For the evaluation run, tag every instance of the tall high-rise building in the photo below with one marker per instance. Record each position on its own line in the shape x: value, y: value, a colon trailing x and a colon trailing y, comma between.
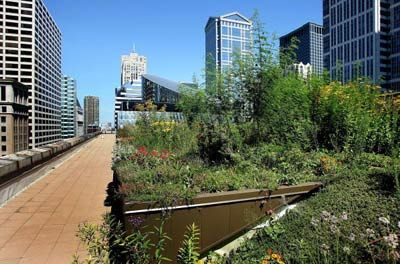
x: 226, y: 36
x: 133, y: 66
x: 361, y: 38
x: 68, y: 107
x: 31, y: 54
x: 310, y: 49
x: 394, y: 82
x: 79, y: 126
x: 91, y: 114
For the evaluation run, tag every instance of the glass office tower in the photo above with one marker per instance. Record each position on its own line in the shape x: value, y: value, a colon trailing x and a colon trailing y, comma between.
x: 361, y: 38
x: 68, y: 107
x: 310, y: 49
x: 225, y: 36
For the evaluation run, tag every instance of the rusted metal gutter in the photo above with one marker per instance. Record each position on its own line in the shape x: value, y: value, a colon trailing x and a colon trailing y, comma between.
x: 221, y: 217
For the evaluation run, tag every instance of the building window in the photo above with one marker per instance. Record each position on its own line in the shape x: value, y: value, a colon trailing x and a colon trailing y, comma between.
x: 224, y: 30
x: 3, y: 129
x: 4, y: 109
x: 3, y: 93
x: 3, y: 139
x: 3, y: 148
x: 3, y: 119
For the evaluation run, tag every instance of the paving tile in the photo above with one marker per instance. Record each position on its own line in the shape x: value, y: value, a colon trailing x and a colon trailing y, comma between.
x: 12, y: 251
x: 39, y: 250
x: 34, y: 260
x: 10, y: 261
x: 40, y: 224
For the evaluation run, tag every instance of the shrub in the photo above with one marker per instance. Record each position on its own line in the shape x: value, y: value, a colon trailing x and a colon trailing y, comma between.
x: 288, y: 115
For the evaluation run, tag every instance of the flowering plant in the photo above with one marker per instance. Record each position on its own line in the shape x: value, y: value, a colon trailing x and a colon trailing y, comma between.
x: 272, y: 258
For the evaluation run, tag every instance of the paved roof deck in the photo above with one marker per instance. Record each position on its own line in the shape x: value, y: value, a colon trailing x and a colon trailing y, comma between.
x: 40, y: 224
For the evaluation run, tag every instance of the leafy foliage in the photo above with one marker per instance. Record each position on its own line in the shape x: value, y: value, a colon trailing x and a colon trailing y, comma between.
x: 188, y: 253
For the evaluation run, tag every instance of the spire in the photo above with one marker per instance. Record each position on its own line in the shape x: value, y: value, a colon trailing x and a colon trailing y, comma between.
x: 134, y: 48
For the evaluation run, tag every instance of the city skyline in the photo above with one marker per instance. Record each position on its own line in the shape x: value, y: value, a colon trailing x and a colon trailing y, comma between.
x: 97, y: 67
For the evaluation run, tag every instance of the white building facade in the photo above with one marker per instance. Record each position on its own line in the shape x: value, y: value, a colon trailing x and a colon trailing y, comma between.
x: 31, y: 54
x: 133, y: 66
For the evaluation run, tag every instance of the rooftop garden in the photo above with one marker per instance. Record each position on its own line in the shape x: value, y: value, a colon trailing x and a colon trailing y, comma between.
x: 258, y: 127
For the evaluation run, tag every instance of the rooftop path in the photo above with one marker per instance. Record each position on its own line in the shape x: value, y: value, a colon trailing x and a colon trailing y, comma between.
x: 39, y: 225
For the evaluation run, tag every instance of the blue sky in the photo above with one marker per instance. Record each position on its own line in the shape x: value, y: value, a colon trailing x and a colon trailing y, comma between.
x: 170, y: 33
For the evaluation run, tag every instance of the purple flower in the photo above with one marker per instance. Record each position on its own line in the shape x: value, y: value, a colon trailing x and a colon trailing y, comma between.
x: 136, y: 221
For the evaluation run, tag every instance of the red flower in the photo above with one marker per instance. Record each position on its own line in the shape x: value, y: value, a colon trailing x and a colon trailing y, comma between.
x: 125, y: 188
x: 154, y: 153
x: 142, y: 150
x: 164, y: 154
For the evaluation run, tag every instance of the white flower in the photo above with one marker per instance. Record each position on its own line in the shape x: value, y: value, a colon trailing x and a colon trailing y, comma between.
x: 346, y: 250
x: 392, y: 240
x: 344, y: 216
x: 314, y: 221
x: 325, y: 215
x: 352, y: 237
x: 370, y: 232
x: 384, y: 220
x: 325, y: 248
x: 334, y: 219
x: 398, y: 224
x: 334, y: 229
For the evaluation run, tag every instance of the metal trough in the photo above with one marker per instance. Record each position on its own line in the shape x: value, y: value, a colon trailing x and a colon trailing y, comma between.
x: 221, y: 217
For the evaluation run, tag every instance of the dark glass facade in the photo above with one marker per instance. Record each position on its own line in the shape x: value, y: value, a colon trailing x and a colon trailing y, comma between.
x: 310, y: 47
x: 361, y: 39
x: 160, y: 91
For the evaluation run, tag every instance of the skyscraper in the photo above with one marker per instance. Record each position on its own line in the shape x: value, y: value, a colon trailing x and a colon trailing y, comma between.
x: 394, y: 82
x: 133, y: 66
x: 31, y: 54
x: 225, y: 36
x: 79, y: 117
x: 361, y: 38
x: 91, y: 114
x: 310, y: 49
x: 68, y: 107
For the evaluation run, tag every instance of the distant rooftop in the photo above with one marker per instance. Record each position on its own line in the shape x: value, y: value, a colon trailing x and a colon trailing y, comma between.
x: 303, y: 27
x: 234, y: 16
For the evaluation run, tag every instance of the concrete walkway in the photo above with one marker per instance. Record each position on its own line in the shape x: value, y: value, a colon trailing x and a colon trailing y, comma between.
x: 39, y: 225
